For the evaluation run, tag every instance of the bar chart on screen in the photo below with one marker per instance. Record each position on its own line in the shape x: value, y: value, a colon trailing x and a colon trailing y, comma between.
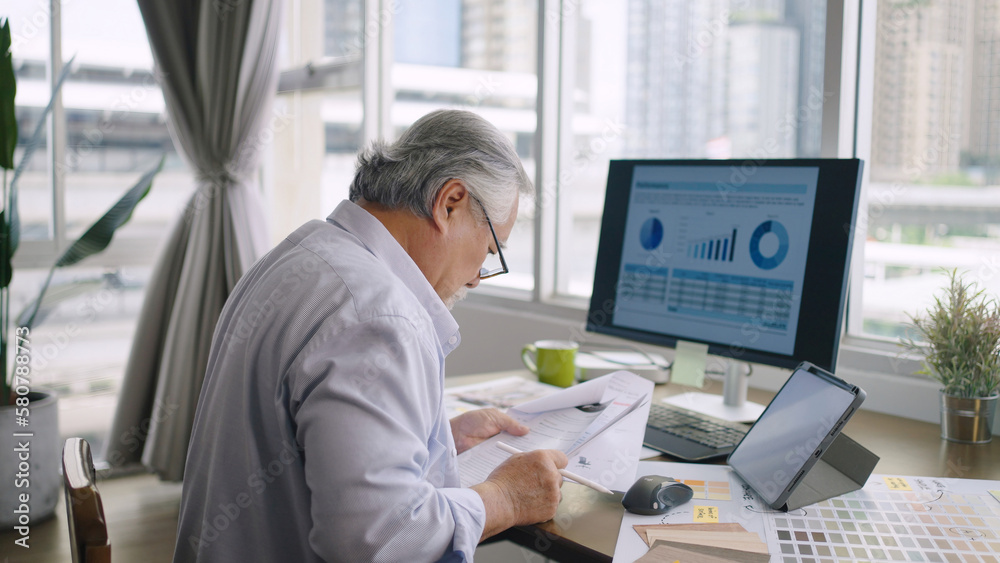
x: 719, y: 248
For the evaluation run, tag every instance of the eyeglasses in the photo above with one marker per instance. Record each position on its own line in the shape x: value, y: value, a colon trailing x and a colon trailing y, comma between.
x: 485, y: 272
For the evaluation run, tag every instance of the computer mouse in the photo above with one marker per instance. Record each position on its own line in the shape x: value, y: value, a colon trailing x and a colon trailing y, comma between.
x: 654, y: 494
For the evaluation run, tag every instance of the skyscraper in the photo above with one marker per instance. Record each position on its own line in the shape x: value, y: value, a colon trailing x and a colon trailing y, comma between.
x: 342, y: 27
x: 707, y: 79
x: 763, y: 72
x: 674, y: 93
x: 982, y: 143
x: 500, y: 35
x: 921, y: 58
x: 809, y: 17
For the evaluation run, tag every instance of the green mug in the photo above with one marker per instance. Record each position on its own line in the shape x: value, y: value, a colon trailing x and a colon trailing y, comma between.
x: 554, y: 361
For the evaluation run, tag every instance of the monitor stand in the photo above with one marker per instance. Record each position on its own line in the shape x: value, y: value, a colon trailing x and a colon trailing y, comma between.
x: 732, y: 405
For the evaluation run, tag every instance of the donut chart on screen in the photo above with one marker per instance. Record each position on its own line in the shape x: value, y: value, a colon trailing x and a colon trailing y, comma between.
x: 769, y: 262
x: 651, y: 234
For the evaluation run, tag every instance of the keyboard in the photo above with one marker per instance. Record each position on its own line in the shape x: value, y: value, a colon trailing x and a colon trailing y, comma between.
x: 689, y: 435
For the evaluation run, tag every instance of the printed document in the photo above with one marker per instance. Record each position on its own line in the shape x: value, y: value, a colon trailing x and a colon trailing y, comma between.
x: 571, y: 417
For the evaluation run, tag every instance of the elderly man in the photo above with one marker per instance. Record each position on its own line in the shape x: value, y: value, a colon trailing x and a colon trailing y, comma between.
x: 320, y: 432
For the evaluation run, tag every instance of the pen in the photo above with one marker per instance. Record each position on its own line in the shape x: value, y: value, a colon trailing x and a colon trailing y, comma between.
x: 571, y: 476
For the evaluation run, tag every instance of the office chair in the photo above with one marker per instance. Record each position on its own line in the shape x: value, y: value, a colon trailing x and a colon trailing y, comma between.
x: 88, y: 530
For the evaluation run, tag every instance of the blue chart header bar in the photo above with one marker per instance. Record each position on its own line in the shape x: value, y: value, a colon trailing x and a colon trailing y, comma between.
x: 726, y: 187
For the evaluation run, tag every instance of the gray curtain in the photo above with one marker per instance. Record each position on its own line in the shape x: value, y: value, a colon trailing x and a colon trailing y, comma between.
x: 216, y: 62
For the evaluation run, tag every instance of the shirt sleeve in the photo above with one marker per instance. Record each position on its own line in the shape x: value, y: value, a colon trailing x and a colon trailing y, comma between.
x: 366, y: 405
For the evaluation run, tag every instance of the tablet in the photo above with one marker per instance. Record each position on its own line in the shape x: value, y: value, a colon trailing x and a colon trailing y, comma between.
x: 794, y: 430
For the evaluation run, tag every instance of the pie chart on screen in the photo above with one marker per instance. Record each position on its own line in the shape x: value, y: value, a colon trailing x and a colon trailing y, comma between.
x: 651, y: 234
x: 769, y: 245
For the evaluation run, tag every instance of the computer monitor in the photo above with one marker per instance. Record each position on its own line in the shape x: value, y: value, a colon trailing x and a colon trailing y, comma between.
x: 750, y: 257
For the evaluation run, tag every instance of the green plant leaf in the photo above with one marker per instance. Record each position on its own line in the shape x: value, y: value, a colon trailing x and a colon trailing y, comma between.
x: 10, y: 229
x: 7, y: 272
x: 10, y: 238
x: 97, y: 237
x: 959, y: 339
x: 36, y: 137
x: 8, y: 89
x: 60, y: 292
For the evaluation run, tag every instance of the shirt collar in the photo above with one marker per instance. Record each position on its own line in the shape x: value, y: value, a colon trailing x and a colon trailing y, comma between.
x: 380, y: 242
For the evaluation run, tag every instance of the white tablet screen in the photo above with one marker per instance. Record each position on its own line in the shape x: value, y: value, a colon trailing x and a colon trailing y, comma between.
x: 803, y: 413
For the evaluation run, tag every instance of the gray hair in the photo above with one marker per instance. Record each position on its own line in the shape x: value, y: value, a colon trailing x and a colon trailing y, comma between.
x: 440, y: 146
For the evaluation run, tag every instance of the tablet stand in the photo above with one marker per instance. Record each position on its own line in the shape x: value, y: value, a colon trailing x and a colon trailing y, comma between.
x: 844, y: 467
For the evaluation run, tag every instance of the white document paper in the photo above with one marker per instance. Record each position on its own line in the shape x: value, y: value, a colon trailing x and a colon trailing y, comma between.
x: 499, y: 393
x: 610, y: 459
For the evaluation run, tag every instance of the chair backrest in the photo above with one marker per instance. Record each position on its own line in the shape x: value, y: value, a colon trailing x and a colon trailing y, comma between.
x: 88, y: 531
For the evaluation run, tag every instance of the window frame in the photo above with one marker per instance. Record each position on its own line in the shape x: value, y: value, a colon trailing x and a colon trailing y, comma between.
x: 846, y: 133
x: 41, y: 254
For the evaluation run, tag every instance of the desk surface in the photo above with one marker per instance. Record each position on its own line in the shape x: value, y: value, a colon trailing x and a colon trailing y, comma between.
x: 587, y: 522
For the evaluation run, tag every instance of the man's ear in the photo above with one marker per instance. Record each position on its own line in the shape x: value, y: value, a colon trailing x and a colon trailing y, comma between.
x: 451, y: 197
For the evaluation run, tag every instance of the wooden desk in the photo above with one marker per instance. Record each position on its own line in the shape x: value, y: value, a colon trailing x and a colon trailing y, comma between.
x: 142, y: 511
x: 586, y: 525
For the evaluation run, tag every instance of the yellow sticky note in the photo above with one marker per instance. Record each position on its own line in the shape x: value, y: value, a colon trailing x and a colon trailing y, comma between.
x: 996, y: 494
x: 897, y: 484
x: 689, y: 363
x: 706, y: 514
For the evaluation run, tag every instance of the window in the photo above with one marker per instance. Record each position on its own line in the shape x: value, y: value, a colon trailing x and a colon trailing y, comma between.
x: 478, y: 55
x: 574, y: 83
x: 934, y: 144
x: 109, y: 129
x: 680, y: 80
x: 318, y: 111
x: 620, y: 79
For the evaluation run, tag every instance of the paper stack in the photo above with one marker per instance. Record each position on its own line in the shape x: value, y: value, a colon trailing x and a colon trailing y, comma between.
x: 701, y: 543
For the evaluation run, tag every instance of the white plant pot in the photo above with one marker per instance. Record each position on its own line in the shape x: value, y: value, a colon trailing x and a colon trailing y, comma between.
x: 29, y: 462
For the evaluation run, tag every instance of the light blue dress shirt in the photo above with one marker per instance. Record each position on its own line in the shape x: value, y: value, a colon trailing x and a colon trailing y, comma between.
x: 320, y: 433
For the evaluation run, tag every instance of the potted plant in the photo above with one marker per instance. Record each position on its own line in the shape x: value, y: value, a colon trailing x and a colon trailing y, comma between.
x: 959, y: 340
x: 29, y: 424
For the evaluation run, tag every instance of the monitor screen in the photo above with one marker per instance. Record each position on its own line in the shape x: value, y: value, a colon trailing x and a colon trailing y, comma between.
x: 748, y: 256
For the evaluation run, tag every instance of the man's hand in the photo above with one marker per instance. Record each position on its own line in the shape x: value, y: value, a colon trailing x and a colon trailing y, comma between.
x: 522, y: 490
x: 475, y: 426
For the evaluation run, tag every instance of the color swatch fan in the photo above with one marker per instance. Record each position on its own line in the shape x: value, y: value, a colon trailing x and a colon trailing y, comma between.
x: 701, y: 543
